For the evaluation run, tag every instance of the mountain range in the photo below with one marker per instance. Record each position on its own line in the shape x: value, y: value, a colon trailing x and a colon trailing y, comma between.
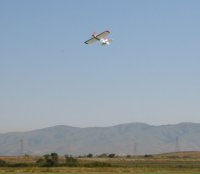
x: 123, y: 139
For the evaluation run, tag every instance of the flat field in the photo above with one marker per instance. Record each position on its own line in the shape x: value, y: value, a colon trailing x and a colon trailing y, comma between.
x: 79, y: 170
x: 172, y: 163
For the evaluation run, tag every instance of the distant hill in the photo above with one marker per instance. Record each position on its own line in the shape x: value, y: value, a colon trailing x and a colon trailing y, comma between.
x: 131, y: 138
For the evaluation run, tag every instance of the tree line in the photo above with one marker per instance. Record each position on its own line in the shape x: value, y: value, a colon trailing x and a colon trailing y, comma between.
x: 52, y: 160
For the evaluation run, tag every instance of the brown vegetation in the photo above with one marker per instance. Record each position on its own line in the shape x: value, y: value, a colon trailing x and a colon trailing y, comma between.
x: 180, y: 161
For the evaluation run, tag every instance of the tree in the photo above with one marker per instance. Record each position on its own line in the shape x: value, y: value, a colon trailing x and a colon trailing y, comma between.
x: 2, y: 163
x: 103, y: 155
x: 70, y: 161
x: 54, y: 158
x: 51, y: 159
x: 112, y: 155
x: 90, y: 155
x: 40, y: 162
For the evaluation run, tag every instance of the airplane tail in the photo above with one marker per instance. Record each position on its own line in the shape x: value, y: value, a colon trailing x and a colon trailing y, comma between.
x: 94, y: 34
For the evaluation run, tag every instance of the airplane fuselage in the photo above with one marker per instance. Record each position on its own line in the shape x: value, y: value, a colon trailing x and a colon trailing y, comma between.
x: 104, y: 41
x: 100, y: 37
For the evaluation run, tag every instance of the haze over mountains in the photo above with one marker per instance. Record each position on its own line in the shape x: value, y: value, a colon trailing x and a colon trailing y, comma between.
x: 124, y: 139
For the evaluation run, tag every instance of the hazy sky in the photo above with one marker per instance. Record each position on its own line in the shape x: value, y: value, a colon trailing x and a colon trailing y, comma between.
x: 48, y: 76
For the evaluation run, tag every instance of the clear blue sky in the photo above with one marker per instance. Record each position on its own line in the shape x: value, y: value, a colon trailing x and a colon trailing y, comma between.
x: 48, y: 76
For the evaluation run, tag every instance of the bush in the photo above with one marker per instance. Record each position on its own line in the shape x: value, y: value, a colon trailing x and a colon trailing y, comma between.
x: 98, y: 164
x: 148, y: 156
x: 40, y: 161
x: 103, y: 155
x: 89, y: 155
x: 49, y: 160
x: 19, y: 165
x: 112, y: 155
x: 70, y: 161
x: 2, y: 163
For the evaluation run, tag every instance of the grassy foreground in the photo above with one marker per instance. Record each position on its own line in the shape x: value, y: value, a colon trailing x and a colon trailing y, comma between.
x: 97, y: 171
x: 173, y: 163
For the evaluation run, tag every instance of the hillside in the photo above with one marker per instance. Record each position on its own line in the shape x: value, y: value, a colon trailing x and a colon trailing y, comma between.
x: 131, y: 138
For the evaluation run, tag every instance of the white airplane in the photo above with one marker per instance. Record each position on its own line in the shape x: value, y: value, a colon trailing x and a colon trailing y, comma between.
x: 100, y: 37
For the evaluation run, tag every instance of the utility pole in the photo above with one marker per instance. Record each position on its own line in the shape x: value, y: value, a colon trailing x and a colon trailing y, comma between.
x: 135, y: 148
x: 177, y: 148
x: 21, y: 147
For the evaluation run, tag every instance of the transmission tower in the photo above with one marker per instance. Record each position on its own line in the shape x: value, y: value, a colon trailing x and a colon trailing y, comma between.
x: 135, y: 148
x: 21, y: 147
x: 177, y: 148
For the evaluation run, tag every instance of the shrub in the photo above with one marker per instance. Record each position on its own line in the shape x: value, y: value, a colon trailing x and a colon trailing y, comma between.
x: 112, y: 155
x: 70, y: 161
x: 2, y: 163
x: 89, y: 155
x: 49, y: 160
x: 148, y: 156
x: 40, y: 162
x: 103, y: 155
x: 98, y: 164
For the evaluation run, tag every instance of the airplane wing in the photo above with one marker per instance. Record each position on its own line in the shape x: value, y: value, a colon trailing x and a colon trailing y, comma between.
x: 103, y: 34
x: 90, y: 41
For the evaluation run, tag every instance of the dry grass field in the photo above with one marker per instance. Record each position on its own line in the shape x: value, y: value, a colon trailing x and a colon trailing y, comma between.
x: 169, y: 163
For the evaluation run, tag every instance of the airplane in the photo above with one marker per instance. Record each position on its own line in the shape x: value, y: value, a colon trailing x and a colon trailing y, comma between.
x: 100, y: 37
